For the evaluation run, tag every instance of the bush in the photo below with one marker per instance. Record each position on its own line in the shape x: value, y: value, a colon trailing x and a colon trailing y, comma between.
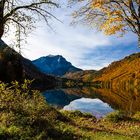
x: 136, y: 116
x: 77, y: 113
x: 24, y: 113
x: 117, y: 116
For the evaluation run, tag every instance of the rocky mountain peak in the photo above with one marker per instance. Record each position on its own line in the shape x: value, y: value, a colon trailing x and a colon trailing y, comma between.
x: 55, y: 64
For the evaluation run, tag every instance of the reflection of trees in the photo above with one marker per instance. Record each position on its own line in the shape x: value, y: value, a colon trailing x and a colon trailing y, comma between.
x: 127, y: 100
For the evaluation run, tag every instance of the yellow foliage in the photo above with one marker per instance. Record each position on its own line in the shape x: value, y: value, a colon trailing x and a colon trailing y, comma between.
x: 110, y: 16
x: 124, y: 73
x: 114, y: 18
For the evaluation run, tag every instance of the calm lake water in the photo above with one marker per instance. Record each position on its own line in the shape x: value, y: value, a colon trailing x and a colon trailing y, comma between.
x: 98, y: 102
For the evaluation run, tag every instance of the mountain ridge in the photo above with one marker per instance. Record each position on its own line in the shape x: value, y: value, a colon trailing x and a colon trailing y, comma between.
x: 14, y: 67
x: 55, y: 65
x: 125, y: 73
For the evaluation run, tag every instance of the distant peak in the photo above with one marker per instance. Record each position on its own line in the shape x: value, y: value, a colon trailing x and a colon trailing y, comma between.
x: 55, y: 64
x: 50, y: 55
x: 60, y: 56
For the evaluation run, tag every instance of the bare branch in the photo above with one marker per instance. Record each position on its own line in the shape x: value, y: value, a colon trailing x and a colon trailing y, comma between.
x: 27, y: 7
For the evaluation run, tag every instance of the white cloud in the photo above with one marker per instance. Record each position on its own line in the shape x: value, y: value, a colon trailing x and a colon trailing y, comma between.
x: 68, y: 41
x: 73, y: 43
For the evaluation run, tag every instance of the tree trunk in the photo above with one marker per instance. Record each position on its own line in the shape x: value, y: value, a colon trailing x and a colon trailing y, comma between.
x: 1, y: 30
x: 2, y: 18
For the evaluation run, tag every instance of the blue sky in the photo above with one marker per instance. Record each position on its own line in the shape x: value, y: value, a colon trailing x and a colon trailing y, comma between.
x: 83, y: 47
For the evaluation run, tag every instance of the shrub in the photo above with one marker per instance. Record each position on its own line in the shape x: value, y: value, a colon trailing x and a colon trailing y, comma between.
x: 24, y: 113
x: 77, y: 113
x: 117, y: 116
x: 136, y: 116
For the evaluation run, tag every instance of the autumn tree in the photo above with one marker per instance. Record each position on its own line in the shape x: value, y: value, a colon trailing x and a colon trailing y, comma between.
x: 110, y: 16
x: 22, y: 14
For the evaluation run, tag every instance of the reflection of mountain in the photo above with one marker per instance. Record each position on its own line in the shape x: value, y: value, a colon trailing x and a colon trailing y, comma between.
x: 59, y: 98
x: 117, y: 99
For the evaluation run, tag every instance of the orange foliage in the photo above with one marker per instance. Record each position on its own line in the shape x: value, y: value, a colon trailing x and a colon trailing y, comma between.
x: 111, y: 17
x: 122, y: 73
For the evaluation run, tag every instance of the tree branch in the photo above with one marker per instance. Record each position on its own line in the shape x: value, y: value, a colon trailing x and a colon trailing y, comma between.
x: 27, y: 7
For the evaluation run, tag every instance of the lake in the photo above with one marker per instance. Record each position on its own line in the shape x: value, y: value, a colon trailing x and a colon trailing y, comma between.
x: 98, y: 102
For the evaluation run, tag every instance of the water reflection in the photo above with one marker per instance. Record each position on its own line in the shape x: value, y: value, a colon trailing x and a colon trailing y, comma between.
x: 94, y: 106
x: 99, y: 100
x: 58, y: 98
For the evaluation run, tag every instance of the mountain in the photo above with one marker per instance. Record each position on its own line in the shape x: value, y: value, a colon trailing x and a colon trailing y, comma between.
x: 13, y: 67
x: 41, y: 80
x: 55, y: 65
x: 85, y: 76
x: 124, y: 73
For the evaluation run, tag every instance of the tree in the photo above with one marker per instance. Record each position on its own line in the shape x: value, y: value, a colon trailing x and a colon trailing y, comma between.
x: 22, y: 14
x: 110, y: 16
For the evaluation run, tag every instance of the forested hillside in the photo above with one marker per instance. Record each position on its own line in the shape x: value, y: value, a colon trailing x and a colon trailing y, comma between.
x: 85, y: 76
x: 15, y: 67
x: 124, y: 73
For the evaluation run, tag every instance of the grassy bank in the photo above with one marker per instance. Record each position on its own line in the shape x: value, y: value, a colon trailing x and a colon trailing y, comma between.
x: 25, y: 115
